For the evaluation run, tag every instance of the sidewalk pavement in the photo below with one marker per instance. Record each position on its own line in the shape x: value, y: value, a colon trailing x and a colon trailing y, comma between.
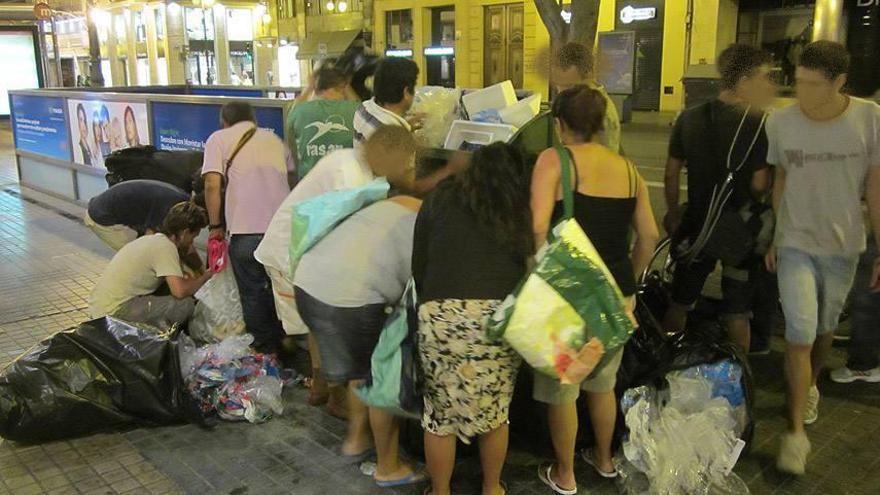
x: 49, y: 262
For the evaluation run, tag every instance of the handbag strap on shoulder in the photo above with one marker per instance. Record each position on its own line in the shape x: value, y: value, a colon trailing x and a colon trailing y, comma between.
x: 566, y: 162
x: 241, y: 142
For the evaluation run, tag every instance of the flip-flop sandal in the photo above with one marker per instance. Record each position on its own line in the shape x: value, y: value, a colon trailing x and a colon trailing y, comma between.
x: 587, y: 456
x: 544, y: 471
x: 410, y: 479
x: 357, y: 458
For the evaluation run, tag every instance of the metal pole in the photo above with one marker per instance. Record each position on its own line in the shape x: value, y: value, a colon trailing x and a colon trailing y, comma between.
x: 44, y: 56
x: 58, y: 80
x: 827, y: 20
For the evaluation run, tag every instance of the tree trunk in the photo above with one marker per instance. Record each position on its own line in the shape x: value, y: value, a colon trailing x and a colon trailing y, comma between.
x: 584, y: 21
x: 95, y: 73
x: 551, y: 14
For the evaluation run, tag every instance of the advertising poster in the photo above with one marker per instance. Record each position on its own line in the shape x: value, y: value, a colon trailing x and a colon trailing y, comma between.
x: 186, y: 126
x: 98, y: 128
x: 616, y: 61
x: 39, y: 125
x: 18, y: 64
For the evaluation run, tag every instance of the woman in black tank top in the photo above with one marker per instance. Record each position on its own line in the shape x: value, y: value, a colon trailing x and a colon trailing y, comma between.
x: 610, y: 202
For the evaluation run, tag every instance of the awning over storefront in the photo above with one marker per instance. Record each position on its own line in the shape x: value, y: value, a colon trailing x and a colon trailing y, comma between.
x: 324, y: 44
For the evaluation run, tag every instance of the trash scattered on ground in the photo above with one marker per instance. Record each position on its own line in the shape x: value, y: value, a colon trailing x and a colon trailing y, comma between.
x: 229, y: 379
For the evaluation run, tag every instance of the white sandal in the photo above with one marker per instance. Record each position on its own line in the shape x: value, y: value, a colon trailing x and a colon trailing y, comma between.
x: 587, y: 456
x: 544, y: 472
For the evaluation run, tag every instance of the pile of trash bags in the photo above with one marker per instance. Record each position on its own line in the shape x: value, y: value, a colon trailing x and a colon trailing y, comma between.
x: 109, y: 374
x: 105, y: 374
x: 230, y: 380
x: 685, y: 438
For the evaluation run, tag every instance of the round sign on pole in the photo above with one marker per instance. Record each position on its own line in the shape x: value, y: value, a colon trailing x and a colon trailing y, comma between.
x: 43, y: 11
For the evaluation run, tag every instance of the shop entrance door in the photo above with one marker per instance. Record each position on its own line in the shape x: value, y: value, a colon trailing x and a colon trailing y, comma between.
x: 503, y: 45
x: 645, y: 18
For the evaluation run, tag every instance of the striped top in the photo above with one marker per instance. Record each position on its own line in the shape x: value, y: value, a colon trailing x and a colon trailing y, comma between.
x: 369, y: 117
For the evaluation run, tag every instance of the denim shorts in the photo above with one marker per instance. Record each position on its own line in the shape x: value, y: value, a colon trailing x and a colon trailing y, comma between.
x: 346, y: 337
x: 813, y: 289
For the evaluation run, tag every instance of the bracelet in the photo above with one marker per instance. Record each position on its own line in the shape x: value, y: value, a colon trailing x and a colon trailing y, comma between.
x: 216, y: 226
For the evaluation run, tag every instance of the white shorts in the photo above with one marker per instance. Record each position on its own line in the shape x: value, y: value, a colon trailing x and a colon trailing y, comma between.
x: 114, y: 236
x: 285, y: 303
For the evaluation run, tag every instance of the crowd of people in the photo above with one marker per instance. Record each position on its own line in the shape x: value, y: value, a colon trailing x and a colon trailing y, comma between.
x: 771, y: 197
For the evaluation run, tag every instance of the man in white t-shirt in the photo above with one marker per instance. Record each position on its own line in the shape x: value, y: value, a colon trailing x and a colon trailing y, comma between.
x: 127, y: 288
x: 826, y: 149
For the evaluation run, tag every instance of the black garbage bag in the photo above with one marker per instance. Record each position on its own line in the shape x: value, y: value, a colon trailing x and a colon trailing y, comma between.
x: 104, y: 375
x: 146, y: 162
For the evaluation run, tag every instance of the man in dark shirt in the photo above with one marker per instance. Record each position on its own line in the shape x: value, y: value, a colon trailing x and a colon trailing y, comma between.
x: 131, y: 209
x: 709, y: 140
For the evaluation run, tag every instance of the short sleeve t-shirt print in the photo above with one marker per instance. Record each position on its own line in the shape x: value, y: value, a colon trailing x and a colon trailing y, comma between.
x: 826, y: 165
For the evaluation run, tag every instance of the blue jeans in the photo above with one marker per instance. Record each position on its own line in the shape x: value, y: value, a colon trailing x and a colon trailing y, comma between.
x: 864, y: 347
x: 813, y: 289
x: 255, y: 291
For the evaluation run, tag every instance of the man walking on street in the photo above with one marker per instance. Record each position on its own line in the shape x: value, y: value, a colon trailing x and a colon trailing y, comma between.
x: 721, y: 137
x: 863, y: 363
x: 256, y: 165
x: 826, y: 149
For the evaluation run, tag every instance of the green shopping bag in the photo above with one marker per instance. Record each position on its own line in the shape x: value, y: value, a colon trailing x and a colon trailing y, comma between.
x: 568, y: 300
x: 395, y: 376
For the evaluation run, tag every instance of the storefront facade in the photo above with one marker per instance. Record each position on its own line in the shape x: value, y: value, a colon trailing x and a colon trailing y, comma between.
x: 502, y: 39
x: 202, y: 42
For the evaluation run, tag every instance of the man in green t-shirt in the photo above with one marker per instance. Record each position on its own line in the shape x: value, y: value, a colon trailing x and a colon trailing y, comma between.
x: 323, y: 124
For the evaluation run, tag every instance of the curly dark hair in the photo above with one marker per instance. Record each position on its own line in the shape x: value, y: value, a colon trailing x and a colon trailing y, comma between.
x: 829, y: 57
x: 738, y: 61
x: 496, y: 187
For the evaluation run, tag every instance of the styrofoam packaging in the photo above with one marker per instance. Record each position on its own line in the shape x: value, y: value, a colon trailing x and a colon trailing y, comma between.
x: 477, y: 133
x: 496, y: 97
x: 521, y: 112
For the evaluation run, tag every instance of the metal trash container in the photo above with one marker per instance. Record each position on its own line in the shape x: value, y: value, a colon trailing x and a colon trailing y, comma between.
x: 701, y: 84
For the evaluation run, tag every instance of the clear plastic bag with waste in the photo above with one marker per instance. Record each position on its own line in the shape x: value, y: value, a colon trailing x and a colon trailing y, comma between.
x: 684, y: 441
x: 218, y: 313
x: 440, y: 107
x: 192, y: 355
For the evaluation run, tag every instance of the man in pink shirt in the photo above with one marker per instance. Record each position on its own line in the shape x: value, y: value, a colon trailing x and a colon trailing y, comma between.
x: 257, y: 182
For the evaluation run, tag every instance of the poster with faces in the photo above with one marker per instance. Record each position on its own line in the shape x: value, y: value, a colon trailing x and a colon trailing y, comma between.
x: 98, y: 128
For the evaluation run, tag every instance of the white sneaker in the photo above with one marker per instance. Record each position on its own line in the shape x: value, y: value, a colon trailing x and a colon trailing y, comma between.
x: 846, y: 375
x: 793, y: 453
x: 811, y: 413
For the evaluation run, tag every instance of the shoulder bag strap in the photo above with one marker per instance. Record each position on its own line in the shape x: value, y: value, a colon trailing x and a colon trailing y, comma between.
x: 241, y: 142
x: 566, y: 162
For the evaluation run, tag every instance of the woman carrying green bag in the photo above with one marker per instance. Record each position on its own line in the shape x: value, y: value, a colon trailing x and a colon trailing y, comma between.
x: 608, y: 198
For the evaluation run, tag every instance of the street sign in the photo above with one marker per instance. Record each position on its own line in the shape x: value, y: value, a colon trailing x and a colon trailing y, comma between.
x: 629, y: 14
x: 43, y: 11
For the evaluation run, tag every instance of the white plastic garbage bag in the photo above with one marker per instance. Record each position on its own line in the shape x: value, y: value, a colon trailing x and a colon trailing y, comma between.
x: 683, y: 440
x: 218, y: 313
x: 440, y: 106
